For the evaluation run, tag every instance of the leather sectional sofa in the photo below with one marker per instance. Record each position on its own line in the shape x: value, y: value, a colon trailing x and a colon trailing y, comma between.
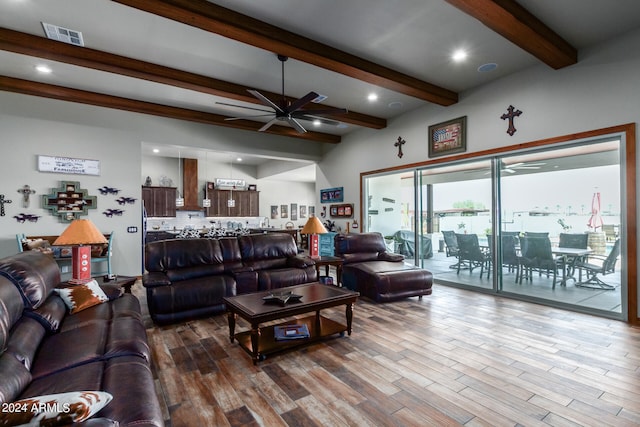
x: 189, y: 278
x: 45, y: 350
x: 377, y: 274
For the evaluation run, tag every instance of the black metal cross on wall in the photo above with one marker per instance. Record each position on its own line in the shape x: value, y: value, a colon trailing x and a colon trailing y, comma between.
x: 510, y: 115
x: 399, y: 144
x: 2, y: 202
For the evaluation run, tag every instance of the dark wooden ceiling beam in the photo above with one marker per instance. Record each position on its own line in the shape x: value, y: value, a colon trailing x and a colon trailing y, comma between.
x: 27, y: 44
x: 28, y: 87
x: 521, y: 27
x: 225, y: 22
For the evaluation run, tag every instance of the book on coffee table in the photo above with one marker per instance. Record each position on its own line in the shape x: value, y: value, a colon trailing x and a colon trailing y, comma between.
x: 281, y: 297
x: 290, y: 332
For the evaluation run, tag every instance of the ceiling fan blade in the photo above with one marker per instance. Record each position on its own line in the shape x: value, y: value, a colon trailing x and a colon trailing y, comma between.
x: 322, y: 120
x: 297, y: 126
x: 268, y: 125
x: 325, y: 112
x: 242, y: 106
x: 248, y: 117
x: 296, y: 105
x: 266, y: 101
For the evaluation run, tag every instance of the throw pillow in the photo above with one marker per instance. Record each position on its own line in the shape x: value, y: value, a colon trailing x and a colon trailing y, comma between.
x: 54, y: 409
x: 81, y: 297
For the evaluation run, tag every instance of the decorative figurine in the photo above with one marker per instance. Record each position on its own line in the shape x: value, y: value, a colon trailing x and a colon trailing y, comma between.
x: 108, y: 190
x: 125, y: 200
x: 21, y: 218
x: 147, y: 182
x: 26, y: 191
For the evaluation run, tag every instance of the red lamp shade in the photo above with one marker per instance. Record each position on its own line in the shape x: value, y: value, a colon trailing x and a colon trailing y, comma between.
x: 79, y: 233
x: 313, y: 227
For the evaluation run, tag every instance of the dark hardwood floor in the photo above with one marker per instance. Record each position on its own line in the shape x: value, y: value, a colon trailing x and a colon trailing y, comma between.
x: 454, y: 358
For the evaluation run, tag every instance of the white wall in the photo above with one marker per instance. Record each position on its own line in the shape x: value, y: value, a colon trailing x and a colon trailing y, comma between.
x: 31, y: 125
x: 602, y: 90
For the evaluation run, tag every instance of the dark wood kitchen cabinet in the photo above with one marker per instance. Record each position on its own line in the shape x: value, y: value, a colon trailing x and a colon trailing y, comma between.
x: 246, y: 203
x: 159, y: 201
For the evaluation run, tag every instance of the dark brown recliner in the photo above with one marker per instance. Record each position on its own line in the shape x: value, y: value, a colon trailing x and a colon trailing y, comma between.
x: 377, y: 274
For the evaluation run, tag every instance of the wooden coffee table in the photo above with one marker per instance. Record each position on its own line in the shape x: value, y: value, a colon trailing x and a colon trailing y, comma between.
x: 259, y: 342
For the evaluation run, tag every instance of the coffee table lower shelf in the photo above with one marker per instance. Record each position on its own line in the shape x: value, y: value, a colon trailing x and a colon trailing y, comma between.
x: 267, y: 343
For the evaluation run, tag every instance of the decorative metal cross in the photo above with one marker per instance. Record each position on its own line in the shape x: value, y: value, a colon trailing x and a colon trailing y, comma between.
x: 510, y: 115
x: 2, y: 202
x: 399, y: 144
x: 26, y: 191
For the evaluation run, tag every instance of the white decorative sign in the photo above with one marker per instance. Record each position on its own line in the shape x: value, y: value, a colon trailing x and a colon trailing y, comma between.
x: 236, y: 184
x: 68, y: 165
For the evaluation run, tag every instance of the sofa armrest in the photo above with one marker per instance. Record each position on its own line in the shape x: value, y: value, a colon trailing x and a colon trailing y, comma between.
x: 390, y: 256
x: 154, y: 279
x: 300, y: 261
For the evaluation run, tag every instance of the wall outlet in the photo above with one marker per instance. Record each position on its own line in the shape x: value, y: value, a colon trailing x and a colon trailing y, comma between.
x: 132, y: 229
x: 65, y: 269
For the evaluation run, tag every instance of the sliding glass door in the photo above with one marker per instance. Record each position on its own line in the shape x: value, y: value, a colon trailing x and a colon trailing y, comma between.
x: 570, y: 196
x: 505, y: 206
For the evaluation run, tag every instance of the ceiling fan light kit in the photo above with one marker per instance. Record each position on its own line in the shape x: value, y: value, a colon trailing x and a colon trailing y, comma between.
x: 289, y: 112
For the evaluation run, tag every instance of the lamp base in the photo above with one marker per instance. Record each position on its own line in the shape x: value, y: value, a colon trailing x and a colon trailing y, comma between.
x: 81, y: 263
x: 314, y: 246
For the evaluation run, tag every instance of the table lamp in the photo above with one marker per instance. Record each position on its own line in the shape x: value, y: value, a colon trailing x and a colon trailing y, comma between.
x: 80, y: 234
x: 313, y: 227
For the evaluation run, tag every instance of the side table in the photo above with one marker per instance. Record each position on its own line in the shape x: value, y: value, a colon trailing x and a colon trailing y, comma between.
x: 327, y: 261
x: 125, y: 282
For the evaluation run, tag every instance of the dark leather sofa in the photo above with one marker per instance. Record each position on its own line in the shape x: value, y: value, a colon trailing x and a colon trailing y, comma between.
x: 377, y: 274
x: 44, y: 350
x: 189, y: 278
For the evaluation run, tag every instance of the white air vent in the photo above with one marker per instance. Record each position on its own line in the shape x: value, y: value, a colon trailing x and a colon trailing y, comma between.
x: 62, y: 34
x: 319, y: 99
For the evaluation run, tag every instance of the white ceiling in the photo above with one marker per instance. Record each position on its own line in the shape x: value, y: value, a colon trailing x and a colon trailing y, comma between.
x: 414, y: 37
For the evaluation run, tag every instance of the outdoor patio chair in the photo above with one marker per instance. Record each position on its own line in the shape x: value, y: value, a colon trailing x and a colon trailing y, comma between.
x: 470, y: 254
x: 575, y: 241
x: 603, y: 265
x: 450, y: 243
x: 537, y: 256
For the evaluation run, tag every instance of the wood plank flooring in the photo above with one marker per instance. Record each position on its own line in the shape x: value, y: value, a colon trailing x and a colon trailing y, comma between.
x: 454, y: 358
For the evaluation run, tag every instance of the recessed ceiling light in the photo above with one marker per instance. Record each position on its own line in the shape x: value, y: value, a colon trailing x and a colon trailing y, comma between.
x: 372, y: 97
x: 44, y: 69
x: 155, y: 150
x: 485, y: 68
x: 317, y: 122
x: 239, y: 159
x: 459, y: 55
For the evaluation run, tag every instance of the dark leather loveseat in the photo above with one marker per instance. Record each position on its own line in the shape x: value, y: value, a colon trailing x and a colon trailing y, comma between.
x: 45, y: 350
x: 377, y: 274
x: 189, y: 278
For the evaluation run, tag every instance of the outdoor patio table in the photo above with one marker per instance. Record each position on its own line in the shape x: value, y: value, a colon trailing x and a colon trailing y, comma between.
x: 569, y: 258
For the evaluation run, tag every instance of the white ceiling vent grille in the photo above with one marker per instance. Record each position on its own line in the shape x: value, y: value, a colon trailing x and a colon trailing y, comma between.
x: 62, y: 34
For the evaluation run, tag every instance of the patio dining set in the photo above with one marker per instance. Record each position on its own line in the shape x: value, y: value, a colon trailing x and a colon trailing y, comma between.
x: 531, y: 252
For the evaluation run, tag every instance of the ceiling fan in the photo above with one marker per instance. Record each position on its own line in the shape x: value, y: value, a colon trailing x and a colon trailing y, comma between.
x: 286, y: 111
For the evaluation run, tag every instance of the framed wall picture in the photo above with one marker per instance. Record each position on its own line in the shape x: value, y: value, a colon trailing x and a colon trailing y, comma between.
x: 448, y: 137
x: 302, y: 211
x: 274, y: 211
x: 331, y: 195
x: 294, y: 211
x: 284, y: 211
x: 344, y: 210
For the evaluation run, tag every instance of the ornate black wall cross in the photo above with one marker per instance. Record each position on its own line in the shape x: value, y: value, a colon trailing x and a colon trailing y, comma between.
x: 399, y: 144
x: 2, y: 202
x: 510, y: 115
